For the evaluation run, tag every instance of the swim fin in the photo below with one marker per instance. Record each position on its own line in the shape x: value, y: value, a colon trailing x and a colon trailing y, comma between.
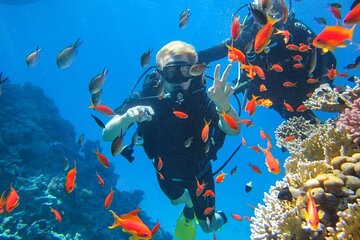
x: 185, y: 230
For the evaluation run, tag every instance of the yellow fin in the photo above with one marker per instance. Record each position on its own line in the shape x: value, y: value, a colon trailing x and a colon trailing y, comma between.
x: 321, y: 214
x: 304, y: 214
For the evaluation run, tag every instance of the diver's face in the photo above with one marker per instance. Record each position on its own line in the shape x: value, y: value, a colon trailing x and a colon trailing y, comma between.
x: 176, y: 74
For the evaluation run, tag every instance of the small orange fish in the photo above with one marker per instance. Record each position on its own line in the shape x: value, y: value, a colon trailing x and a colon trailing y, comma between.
x: 304, y: 48
x: 100, y: 180
x: 180, y: 114
x: 264, y: 102
x: 251, y: 105
x: 353, y: 16
x: 276, y: 67
x: 312, y: 215
x: 297, y: 57
x: 343, y: 75
x: 12, y: 200
x: 309, y: 94
x: 160, y: 175
x: 255, y: 148
x: 285, y: 33
x: 258, y: 70
x: 208, y: 210
x: 102, y: 159
x: 289, y: 138
x: 335, y: 10
x: 255, y: 168
x: 160, y: 163
x: 301, y: 108
x: 269, y: 145
x: 70, y: 182
x: 288, y: 106
x: 292, y: 47
x: 235, y: 28
x: 243, y: 141
x: 298, y: 65
x: 56, y: 214
x: 109, y: 199
x: 230, y: 121
x: 236, y: 55
x: 262, y: 134
x: 247, y: 122
x: 200, y: 187
x: 332, y: 73
x: 220, y: 178
x: 262, y: 88
x: 262, y: 38
x: 102, y: 109
x: 271, y: 162
x: 205, y: 131
x: 209, y: 193
x: 236, y: 217
x: 312, y: 80
x: 289, y: 84
x: 247, y: 219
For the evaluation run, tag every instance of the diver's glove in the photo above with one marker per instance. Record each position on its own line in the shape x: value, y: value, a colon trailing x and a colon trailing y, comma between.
x: 221, y: 91
x: 120, y: 123
x: 139, y: 113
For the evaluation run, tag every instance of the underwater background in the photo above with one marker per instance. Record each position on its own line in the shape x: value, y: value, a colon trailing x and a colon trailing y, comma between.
x: 55, y: 101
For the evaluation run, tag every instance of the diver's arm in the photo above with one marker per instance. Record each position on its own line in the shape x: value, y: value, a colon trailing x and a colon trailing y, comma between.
x: 214, y: 53
x: 120, y: 123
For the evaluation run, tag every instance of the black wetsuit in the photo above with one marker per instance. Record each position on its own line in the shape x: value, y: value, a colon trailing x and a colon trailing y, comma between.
x: 279, y: 54
x: 165, y: 136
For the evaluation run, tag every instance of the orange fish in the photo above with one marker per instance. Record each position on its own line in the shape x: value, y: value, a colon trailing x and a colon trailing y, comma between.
x: 255, y: 148
x: 235, y: 28
x: 335, y: 10
x: 269, y: 145
x: 230, y: 121
x: 70, y: 182
x: 205, y: 131
x: 285, y: 33
x: 312, y: 80
x: 209, y: 193
x: 2, y: 202
x: 264, y: 102
x: 297, y: 57
x: 251, y: 105
x: 247, y: 122
x: 236, y: 217
x: 262, y: 88
x: 353, y: 16
x: 57, y: 214
x: 220, y: 178
x: 343, y: 75
x: 288, y: 106
x: 103, y: 109
x: 332, y: 73
x: 276, y: 67
x: 180, y: 114
x: 132, y: 224
x: 289, y: 138
x: 271, y: 162
x: 258, y: 70
x: 160, y: 164
x: 301, y: 108
x: 208, y: 210
x: 332, y: 37
x: 263, y: 135
x: 200, y: 187
x: 160, y: 175
x: 289, y: 84
x: 292, y: 47
x: 309, y: 94
x: 312, y: 215
x: 102, y: 159
x: 243, y: 141
x: 304, y: 48
x: 262, y: 38
x: 255, y: 168
x: 100, y: 180
x: 109, y: 198
x: 12, y: 200
x: 298, y: 65
x: 247, y: 219
x: 236, y: 55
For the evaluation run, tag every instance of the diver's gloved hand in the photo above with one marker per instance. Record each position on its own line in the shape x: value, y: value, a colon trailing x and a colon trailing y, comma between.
x: 221, y: 91
x: 139, y: 113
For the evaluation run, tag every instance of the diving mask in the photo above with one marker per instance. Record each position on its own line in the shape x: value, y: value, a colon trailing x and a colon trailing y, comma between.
x: 176, y: 72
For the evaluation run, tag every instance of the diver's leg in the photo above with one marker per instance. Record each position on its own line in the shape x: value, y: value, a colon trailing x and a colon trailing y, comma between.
x: 214, y: 220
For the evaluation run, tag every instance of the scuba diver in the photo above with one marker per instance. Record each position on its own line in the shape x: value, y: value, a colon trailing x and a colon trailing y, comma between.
x: 182, y: 127
x: 304, y: 68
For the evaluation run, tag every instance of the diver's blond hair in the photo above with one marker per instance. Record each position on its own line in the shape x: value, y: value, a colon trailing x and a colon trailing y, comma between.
x: 173, y: 49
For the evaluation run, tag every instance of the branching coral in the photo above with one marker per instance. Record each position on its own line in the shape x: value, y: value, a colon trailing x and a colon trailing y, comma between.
x: 349, y: 120
x: 325, y: 99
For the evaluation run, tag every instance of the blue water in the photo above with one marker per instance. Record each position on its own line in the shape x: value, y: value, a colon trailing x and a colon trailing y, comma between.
x: 115, y: 34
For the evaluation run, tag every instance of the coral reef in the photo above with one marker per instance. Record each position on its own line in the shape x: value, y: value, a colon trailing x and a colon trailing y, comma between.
x: 349, y: 120
x: 324, y: 160
x: 37, y: 147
